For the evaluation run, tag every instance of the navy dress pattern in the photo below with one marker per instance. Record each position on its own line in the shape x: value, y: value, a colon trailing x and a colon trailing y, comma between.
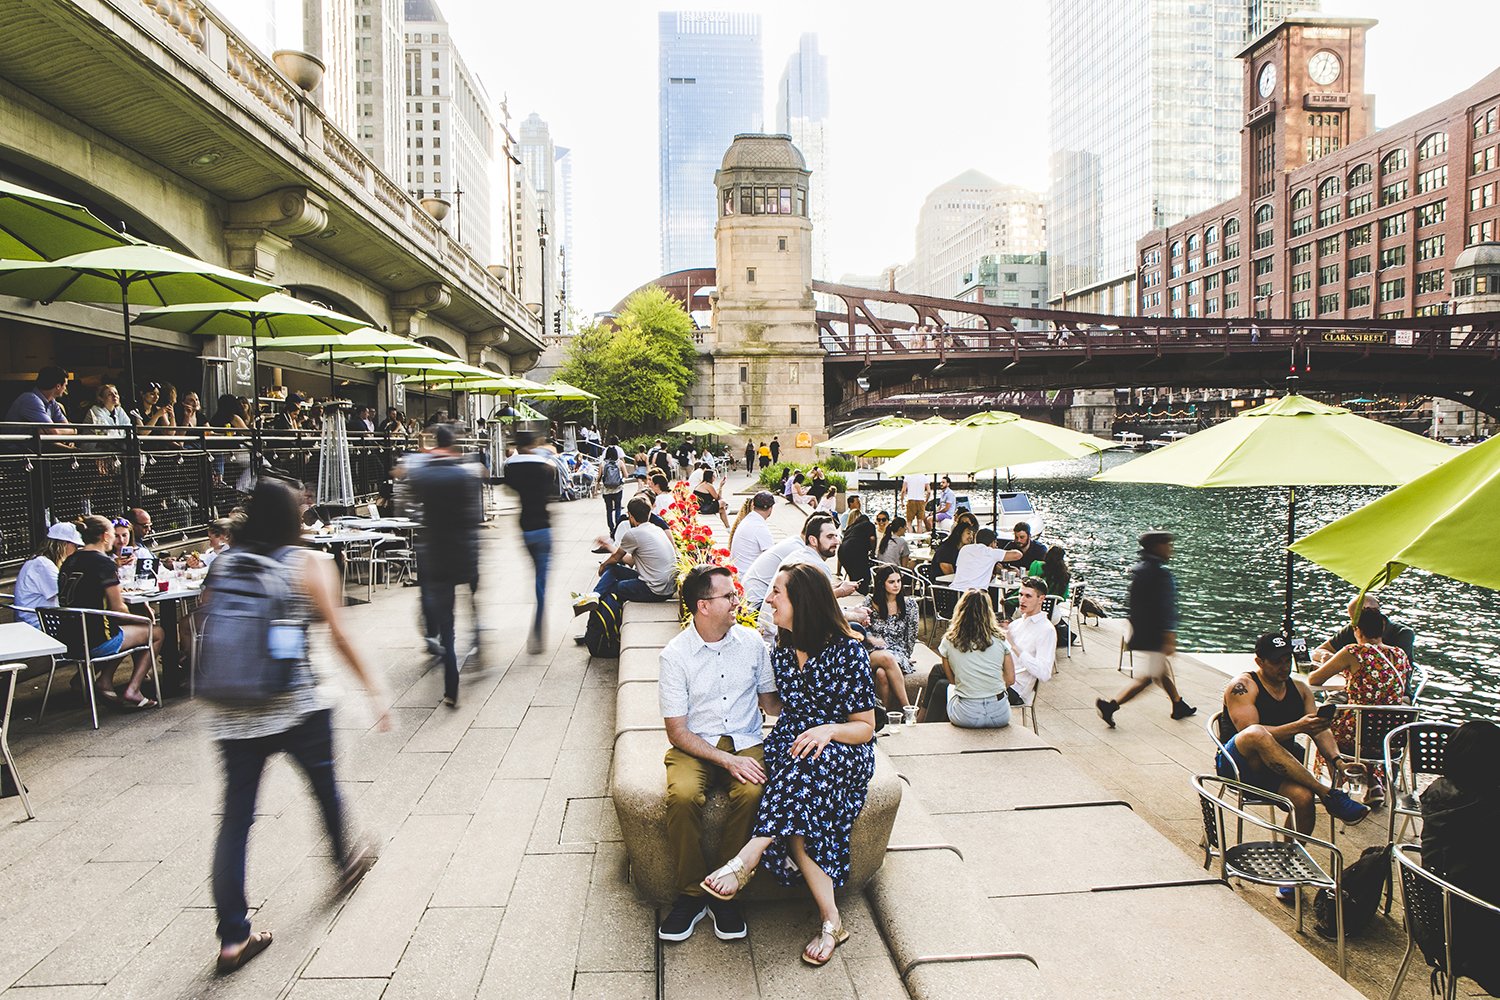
x: 816, y: 798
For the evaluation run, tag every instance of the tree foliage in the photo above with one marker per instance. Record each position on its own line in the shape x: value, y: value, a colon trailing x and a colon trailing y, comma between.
x: 639, y: 367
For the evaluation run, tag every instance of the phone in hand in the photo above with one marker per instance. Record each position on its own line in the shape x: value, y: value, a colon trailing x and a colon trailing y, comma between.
x: 1327, y: 710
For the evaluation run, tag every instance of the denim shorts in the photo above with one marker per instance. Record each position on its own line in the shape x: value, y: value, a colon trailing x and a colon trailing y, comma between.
x: 109, y: 647
x: 1248, y: 773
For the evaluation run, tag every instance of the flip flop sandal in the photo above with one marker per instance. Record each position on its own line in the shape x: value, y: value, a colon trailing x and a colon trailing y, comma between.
x: 836, y: 934
x: 254, y: 945
x: 734, y: 866
x: 134, y: 706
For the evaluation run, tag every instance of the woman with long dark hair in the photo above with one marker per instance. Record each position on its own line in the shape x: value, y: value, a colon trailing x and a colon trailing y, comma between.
x: 892, y: 635
x: 709, y: 500
x: 819, y: 757
x: 892, y: 547
x: 297, y: 721
x: 855, y: 550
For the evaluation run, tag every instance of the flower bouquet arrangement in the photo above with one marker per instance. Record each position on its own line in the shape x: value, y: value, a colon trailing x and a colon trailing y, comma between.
x: 695, y: 546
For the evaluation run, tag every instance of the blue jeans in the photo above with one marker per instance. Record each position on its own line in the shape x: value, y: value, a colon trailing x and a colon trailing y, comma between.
x: 310, y: 743
x: 978, y: 713
x: 539, y: 545
x: 612, y: 505
x: 437, y: 610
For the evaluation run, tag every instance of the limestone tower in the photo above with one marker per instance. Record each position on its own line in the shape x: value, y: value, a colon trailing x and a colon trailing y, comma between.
x: 1476, y: 288
x: 763, y: 368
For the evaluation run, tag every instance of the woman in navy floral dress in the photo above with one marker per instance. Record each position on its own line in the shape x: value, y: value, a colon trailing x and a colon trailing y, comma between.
x: 819, y: 757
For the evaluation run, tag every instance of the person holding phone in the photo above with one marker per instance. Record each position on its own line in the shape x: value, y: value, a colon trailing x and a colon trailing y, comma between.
x: 1265, y: 710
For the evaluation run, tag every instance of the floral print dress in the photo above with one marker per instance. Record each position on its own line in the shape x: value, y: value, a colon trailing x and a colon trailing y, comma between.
x: 816, y: 798
x: 1380, y: 676
x: 898, y: 631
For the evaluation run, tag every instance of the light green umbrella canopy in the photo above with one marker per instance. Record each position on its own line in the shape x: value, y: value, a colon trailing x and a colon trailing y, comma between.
x: 271, y: 317
x: 900, y: 439
x: 1443, y: 522
x: 562, y: 390
x: 37, y: 226
x: 1289, y: 442
x: 373, y: 357
x: 367, y: 339
x: 709, y: 427
x: 854, y: 438
x: 994, y: 440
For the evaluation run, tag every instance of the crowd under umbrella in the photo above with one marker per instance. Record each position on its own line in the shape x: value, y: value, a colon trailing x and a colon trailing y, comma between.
x: 139, y: 274
x: 1289, y: 442
x: 1437, y: 522
x: 37, y: 226
x: 995, y: 440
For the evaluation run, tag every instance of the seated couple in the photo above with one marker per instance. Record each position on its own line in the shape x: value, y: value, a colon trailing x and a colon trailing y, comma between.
x: 988, y: 668
x: 793, y: 794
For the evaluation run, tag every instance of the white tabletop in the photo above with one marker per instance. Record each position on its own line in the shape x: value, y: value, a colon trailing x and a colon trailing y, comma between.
x: 176, y: 591
x: 388, y: 523
x: 20, y: 641
x: 344, y: 536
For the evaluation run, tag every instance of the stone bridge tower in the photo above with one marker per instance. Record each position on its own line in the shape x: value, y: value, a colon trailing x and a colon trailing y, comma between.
x: 763, y: 364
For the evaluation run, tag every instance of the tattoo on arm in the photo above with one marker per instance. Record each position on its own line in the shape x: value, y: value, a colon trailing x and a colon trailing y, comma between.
x: 1239, y: 688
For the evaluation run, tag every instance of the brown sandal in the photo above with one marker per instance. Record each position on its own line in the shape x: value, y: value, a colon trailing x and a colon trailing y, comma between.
x: 836, y: 934
x: 256, y: 943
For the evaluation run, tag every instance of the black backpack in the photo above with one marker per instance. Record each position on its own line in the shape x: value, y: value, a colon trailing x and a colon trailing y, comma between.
x: 251, y: 648
x: 1362, y: 885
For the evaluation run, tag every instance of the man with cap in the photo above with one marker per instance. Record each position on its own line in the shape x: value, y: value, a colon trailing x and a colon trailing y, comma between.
x: 1153, y: 627
x: 752, y: 535
x: 1265, y: 710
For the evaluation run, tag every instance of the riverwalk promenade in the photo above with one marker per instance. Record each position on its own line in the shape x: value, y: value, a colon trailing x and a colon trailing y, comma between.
x: 502, y: 872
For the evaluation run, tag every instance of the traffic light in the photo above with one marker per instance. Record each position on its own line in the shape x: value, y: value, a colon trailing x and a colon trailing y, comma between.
x: 557, y: 323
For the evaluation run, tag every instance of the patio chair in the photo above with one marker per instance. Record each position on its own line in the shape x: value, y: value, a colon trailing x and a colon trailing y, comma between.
x: 1057, y: 610
x: 12, y: 670
x: 1412, y: 750
x: 53, y: 622
x: 1283, y: 861
x: 944, y: 603
x: 1260, y: 798
x: 1429, y: 903
x: 1417, y: 682
x: 1372, y: 723
x: 1028, y: 712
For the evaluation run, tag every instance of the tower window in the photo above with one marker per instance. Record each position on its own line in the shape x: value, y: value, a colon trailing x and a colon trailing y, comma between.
x: 781, y: 243
x: 793, y: 420
x: 744, y: 415
x: 750, y: 275
x: 744, y: 376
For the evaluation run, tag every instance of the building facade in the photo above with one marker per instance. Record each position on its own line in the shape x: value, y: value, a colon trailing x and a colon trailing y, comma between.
x: 710, y: 89
x: 563, y: 166
x: 539, y: 162
x: 964, y: 220
x: 802, y: 113
x: 1159, y: 142
x: 379, y: 98
x: 1333, y: 220
x: 328, y: 33
x: 450, y: 129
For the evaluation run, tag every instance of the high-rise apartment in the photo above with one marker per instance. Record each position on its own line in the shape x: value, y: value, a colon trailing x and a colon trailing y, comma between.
x: 564, y: 201
x: 967, y: 218
x: 710, y: 90
x: 1145, y: 123
x: 328, y: 33
x: 802, y: 113
x: 539, y: 162
x: 361, y: 43
x: 450, y: 130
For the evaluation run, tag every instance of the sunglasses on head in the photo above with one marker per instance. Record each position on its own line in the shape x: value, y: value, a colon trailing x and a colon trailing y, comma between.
x: 120, y: 522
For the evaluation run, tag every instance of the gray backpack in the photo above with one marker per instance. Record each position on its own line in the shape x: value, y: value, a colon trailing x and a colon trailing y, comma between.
x: 252, y: 648
x: 609, y: 474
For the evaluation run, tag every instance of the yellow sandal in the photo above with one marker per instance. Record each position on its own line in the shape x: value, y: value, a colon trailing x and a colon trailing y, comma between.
x: 836, y: 934
x: 734, y: 866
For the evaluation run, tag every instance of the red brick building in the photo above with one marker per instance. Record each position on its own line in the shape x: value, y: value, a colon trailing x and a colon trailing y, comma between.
x: 1334, y: 220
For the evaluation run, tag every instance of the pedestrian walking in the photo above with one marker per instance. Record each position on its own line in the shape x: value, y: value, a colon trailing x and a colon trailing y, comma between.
x: 532, y: 475
x: 775, y: 449
x: 764, y: 453
x: 448, y: 488
x: 260, y: 598
x: 749, y: 455
x: 612, y: 483
x: 1153, y: 627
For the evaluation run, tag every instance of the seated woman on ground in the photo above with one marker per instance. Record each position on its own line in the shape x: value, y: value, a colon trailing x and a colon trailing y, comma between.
x: 710, y: 502
x: 1376, y: 674
x: 856, y: 549
x: 977, y: 668
x: 892, y: 636
x: 892, y: 546
x: 819, y: 756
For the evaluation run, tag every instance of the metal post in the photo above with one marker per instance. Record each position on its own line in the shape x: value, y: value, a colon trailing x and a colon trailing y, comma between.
x: 1291, y: 536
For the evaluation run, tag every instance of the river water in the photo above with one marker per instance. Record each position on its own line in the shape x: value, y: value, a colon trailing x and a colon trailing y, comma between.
x: 1230, y: 569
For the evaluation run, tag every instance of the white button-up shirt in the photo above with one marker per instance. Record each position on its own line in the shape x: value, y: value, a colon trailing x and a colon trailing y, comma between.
x: 1033, y: 641
x: 751, y: 538
x: 717, y: 685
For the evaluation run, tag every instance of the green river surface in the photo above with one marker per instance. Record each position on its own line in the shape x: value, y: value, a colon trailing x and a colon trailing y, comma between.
x: 1230, y: 566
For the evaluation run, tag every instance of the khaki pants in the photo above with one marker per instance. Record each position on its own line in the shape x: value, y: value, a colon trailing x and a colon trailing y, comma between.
x: 688, y: 782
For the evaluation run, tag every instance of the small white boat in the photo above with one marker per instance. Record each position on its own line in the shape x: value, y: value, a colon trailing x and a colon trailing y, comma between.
x: 1015, y: 507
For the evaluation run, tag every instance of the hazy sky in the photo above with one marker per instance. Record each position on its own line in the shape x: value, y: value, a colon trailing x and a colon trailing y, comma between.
x: 919, y: 92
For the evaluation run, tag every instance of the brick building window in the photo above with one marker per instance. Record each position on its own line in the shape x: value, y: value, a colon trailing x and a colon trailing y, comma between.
x: 1431, y: 180
x: 1328, y: 304
x: 1231, y: 227
x: 1392, y: 193
x: 1356, y: 297
x: 1328, y: 216
x: 1302, y: 309
x: 1262, y: 266
x: 1328, y: 246
x: 1435, y: 144
x: 1263, y: 148
x: 1482, y: 196
x: 1231, y: 277
x: 1211, y: 307
x: 1430, y: 281
x: 1359, y: 237
x: 1436, y: 309
x: 1393, y: 289
x: 1485, y: 123
x: 1395, y: 225
x: 1359, y: 266
x: 1360, y: 204
x: 1394, y: 257
x: 1302, y: 254
x: 1431, y: 248
x: 1265, y: 237
x: 1361, y: 175
x: 1484, y: 160
x: 1211, y: 282
x: 1329, y: 189
x: 1231, y: 250
x: 1302, y: 199
x: 1328, y: 274
x: 1302, y: 226
x: 1395, y: 160
x: 1211, y: 235
x: 1231, y: 300
x: 1481, y: 232
x: 1302, y: 281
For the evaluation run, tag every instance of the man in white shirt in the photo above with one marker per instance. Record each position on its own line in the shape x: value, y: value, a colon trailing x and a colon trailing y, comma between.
x: 642, y: 567
x: 914, y: 492
x: 815, y: 543
x: 974, y: 568
x: 716, y: 681
x: 1033, y: 643
x: 753, y: 536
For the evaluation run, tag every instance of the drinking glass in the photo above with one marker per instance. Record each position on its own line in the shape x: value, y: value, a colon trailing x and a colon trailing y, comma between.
x: 910, y: 713
x: 1356, y: 781
x: 893, y: 721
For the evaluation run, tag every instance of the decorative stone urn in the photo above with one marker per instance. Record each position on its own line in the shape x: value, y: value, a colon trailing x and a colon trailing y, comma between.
x: 437, y: 207
x: 302, y: 68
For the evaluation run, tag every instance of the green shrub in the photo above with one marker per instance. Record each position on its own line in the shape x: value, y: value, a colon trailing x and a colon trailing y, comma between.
x: 770, y: 477
x: 839, y: 462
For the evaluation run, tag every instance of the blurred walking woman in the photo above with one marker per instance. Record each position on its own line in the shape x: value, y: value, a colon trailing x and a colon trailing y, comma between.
x: 819, y: 757
x: 296, y: 721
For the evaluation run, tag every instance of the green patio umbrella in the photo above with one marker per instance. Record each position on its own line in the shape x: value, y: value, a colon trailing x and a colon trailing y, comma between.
x: 140, y: 274
x: 37, y: 226
x: 709, y: 427
x: 1443, y: 522
x: 369, y: 349
x: 897, y: 440
x: 562, y: 390
x: 859, y: 435
x: 1292, y: 441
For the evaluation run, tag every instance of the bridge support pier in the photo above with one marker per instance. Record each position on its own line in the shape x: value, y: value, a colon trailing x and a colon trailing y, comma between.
x: 1092, y: 412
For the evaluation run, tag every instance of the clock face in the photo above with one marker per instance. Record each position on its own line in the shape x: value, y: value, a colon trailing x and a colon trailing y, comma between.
x: 1324, y: 68
x: 1267, y: 79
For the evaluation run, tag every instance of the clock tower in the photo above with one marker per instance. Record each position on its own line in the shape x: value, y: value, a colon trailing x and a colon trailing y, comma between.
x: 1304, y: 96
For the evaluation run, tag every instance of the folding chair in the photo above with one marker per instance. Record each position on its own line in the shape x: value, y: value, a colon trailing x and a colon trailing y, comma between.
x: 1412, y: 750
x: 12, y: 669
x: 53, y: 622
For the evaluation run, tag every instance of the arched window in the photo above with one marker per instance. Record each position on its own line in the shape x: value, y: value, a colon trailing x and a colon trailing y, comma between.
x: 1395, y: 160
x: 1263, y: 214
x: 1211, y: 236
x: 1302, y: 199
x: 1435, y: 144
x: 1192, y: 243
x: 1177, y: 248
x: 1361, y: 174
x: 1330, y: 189
x: 1232, y: 227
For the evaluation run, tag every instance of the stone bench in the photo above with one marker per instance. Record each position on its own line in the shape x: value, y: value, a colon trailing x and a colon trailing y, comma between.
x: 638, y: 778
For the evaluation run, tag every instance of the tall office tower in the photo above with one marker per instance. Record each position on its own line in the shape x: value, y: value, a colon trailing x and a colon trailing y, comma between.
x: 539, y: 162
x: 450, y: 132
x: 710, y: 90
x: 802, y: 113
x: 1263, y: 15
x: 379, y: 118
x: 1145, y: 123
x: 328, y: 33
x: 564, y: 200
x: 969, y: 217
x: 525, y: 254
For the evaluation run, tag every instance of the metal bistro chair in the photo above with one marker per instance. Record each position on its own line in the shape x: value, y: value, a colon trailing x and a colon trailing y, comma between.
x: 1028, y: 712
x: 1412, y: 750
x: 1280, y: 862
x: 1429, y: 903
x: 944, y: 603
x: 1257, y: 798
x: 1417, y: 682
x: 12, y: 670
x: 53, y: 622
x: 1372, y: 723
x: 1057, y: 610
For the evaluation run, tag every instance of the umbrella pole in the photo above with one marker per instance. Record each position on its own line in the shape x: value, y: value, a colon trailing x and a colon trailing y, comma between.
x: 1291, y: 536
x: 254, y: 404
x: 424, y: 397
x: 995, y: 500
x: 332, y: 391
x: 129, y: 347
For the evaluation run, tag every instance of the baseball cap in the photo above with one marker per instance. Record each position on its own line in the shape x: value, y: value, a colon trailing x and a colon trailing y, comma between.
x: 1273, y: 647
x: 294, y: 399
x: 764, y: 500
x: 64, y: 531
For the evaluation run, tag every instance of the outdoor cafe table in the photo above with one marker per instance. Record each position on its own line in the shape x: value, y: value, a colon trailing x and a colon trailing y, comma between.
x: 169, y: 601
x: 338, y: 538
x: 379, y: 523
x: 20, y: 641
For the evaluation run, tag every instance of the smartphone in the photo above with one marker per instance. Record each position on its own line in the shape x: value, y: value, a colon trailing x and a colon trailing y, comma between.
x: 1327, y: 710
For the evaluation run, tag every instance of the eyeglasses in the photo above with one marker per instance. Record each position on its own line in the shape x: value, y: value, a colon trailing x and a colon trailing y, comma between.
x: 120, y: 522
x: 715, y: 597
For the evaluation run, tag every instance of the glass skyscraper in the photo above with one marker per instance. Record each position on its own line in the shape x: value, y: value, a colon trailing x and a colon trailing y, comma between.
x: 1147, y: 106
x: 711, y: 88
x: 802, y: 113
